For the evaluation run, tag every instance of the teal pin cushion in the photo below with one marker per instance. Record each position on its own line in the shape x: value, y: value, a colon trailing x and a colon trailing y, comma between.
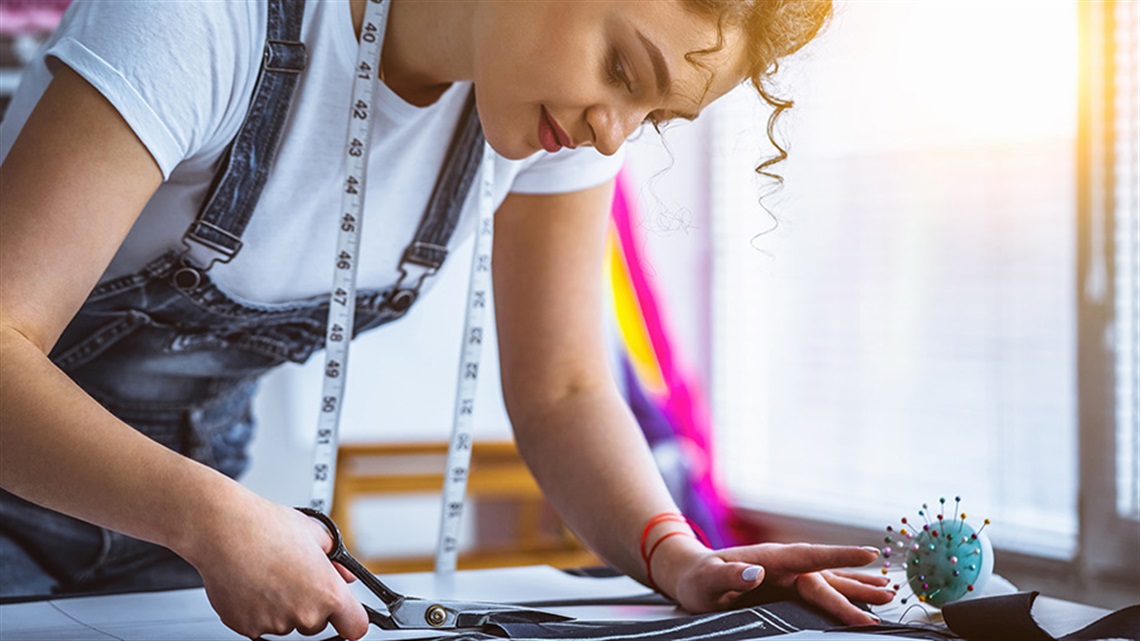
x: 945, y: 559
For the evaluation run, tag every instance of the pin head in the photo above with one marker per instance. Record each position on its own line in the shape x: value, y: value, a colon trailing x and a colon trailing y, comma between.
x: 932, y: 560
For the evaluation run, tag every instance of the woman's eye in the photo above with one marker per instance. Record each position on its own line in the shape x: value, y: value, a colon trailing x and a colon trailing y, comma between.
x: 616, y: 72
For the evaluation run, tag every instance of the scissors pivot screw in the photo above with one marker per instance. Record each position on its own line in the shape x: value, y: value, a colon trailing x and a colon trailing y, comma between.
x: 436, y: 616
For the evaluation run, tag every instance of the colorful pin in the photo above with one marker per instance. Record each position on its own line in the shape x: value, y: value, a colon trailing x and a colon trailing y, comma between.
x: 933, y: 559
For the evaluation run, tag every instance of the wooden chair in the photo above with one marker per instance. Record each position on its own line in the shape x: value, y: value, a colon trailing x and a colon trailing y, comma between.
x: 514, y: 524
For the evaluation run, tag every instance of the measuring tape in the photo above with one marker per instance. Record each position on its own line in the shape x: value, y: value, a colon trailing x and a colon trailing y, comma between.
x: 463, y: 422
x: 342, y: 300
x: 342, y: 306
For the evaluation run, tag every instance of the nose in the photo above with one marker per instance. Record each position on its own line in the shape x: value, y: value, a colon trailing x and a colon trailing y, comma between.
x: 611, y: 126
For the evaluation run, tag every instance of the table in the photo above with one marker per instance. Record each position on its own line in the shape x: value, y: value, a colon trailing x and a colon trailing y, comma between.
x: 186, y: 614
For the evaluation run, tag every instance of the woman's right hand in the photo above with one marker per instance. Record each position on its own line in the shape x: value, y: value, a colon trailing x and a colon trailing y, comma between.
x: 73, y: 185
x: 266, y: 572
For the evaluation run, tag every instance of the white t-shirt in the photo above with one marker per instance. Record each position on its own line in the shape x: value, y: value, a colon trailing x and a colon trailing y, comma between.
x: 182, y: 73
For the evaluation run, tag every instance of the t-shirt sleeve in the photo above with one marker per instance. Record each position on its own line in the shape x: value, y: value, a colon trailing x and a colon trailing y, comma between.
x: 567, y: 170
x: 175, y: 71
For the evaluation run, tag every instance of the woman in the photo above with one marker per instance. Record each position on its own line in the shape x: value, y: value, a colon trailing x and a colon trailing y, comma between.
x: 118, y: 170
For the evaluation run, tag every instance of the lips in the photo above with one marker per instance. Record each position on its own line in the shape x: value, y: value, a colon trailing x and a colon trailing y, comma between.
x: 550, y: 135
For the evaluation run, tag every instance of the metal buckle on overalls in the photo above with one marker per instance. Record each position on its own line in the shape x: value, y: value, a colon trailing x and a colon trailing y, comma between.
x: 402, y: 298
x: 421, y: 257
x: 200, y: 251
x: 286, y: 56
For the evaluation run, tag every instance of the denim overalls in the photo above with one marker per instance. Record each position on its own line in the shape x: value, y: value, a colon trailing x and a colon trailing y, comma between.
x: 178, y: 359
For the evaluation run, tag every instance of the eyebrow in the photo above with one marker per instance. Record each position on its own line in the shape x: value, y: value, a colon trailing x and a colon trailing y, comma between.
x: 660, y: 71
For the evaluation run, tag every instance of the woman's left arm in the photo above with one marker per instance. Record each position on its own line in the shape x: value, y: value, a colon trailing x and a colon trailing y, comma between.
x: 580, y: 439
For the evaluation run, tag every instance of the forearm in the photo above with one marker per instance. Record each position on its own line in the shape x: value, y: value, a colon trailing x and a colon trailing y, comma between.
x: 594, y: 465
x: 61, y: 449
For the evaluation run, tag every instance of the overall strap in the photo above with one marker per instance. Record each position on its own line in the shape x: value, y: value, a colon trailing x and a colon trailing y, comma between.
x: 427, y: 251
x: 216, y: 233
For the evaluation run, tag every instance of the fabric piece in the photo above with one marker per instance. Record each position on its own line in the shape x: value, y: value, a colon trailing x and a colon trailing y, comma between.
x: 186, y: 93
x: 995, y: 618
x: 754, y: 623
x: 1004, y: 617
x: 1010, y: 616
x: 760, y: 622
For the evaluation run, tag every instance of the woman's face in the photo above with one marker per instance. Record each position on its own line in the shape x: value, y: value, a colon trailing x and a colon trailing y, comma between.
x: 566, y: 73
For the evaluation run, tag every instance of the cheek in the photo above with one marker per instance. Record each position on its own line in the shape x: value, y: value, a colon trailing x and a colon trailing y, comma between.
x: 505, y: 123
x: 522, y: 64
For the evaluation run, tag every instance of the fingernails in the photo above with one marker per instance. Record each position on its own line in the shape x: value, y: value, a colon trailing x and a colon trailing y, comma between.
x: 751, y: 572
x: 874, y: 618
x: 871, y: 548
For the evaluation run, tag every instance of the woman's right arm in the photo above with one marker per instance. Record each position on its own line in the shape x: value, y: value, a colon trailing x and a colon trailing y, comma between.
x: 72, y: 185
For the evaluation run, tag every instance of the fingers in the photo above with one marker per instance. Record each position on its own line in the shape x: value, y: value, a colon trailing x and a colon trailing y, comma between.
x: 341, y: 610
x: 857, y: 590
x: 348, y: 577
x: 282, y: 579
x: 319, y: 532
x: 816, y: 590
x: 869, y: 579
x: 350, y: 620
x: 801, y: 558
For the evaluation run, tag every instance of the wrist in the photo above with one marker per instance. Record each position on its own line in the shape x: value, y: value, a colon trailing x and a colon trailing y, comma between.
x: 664, y: 532
x: 211, y: 507
x: 671, y: 561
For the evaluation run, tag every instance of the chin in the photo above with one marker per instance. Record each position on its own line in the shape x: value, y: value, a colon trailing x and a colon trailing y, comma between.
x: 505, y: 136
x: 511, y: 149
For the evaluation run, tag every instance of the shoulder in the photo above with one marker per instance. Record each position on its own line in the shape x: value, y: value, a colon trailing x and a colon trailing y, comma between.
x: 170, y: 30
x: 176, y: 71
x: 163, y: 42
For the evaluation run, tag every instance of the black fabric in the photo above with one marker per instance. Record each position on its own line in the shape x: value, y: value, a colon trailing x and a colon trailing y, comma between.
x: 771, y: 620
x: 997, y: 618
x: 754, y: 623
x: 1009, y: 616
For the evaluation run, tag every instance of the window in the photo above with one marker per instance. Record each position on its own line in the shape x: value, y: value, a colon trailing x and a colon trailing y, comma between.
x: 911, y: 328
x: 1109, y: 257
x: 1126, y: 213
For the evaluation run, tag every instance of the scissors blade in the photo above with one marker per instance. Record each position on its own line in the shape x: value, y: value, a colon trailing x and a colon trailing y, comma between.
x: 415, y: 613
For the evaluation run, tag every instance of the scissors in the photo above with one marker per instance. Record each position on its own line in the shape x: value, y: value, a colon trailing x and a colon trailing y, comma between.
x: 413, y: 613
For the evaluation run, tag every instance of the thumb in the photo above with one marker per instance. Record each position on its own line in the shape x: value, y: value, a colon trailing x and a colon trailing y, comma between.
x: 745, y: 576
x: 736, y: 579
x: 717, y: 585
x: 732, y: 576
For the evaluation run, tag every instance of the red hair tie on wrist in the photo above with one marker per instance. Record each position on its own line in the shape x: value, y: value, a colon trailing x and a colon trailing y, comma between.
x: 665, y: 517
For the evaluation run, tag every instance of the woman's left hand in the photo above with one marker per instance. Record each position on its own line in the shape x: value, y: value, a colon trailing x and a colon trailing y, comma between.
x: 703, y: 580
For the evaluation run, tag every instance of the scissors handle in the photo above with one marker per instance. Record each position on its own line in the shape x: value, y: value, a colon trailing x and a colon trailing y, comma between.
x: 339, y: 554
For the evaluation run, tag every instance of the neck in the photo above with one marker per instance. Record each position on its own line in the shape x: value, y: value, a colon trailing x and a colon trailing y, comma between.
x: 427, y: 46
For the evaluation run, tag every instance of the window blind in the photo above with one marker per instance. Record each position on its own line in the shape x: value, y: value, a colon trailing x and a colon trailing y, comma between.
x: 906, y: 331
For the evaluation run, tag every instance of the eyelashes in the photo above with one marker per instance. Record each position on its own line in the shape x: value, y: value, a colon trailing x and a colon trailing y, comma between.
x: 615, y: 71
x: 616, y: 76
